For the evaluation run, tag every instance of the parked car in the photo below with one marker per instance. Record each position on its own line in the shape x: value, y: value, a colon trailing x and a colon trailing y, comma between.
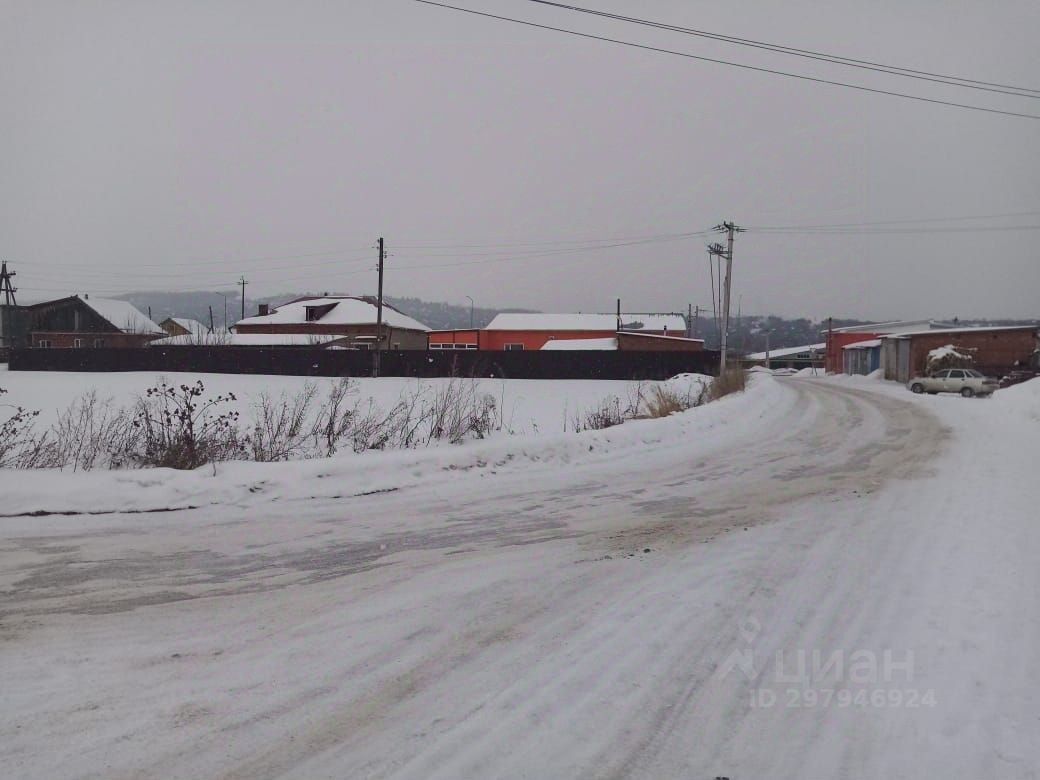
x: 966, y: 381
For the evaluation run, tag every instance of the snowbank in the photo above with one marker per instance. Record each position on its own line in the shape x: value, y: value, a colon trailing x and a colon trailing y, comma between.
x: 1022, y: 401
x: 350, y: 474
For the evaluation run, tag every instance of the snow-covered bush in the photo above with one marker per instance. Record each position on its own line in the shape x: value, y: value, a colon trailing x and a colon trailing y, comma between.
x: 949, y: 357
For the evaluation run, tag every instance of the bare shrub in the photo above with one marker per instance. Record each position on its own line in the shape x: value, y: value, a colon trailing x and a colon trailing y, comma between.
x: 90, y: 433
x: 606, y: 415
x: 17, y: 439
x: 458, y: 410
x: 181, y: 429
x: 280, y: 430
x: 732, y: 380
x: 334, y: 418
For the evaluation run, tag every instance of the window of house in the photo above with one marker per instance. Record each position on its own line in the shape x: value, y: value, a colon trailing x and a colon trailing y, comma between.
x: 363, y: 346
x: 77, y: 343
x: 44, y: 343
x: 436, y: 346
x: 514, y: 347
x: 396, y: 345
x: 471, y: 346
x: 99, y: 342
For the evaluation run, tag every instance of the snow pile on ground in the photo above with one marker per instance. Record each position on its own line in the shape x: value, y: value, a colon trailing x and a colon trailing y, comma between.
x: 1022, y: 401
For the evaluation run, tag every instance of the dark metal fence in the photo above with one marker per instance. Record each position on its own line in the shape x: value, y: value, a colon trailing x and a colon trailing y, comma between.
x: 305, y: 361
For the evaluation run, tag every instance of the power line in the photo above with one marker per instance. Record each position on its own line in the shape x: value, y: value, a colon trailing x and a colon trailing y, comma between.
x: 743, y: 66
x: 919, y: 220
x: 893, y: 70
x: 794, y: 231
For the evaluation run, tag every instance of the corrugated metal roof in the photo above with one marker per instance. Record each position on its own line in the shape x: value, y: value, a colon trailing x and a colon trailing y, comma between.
x: 674, y: 323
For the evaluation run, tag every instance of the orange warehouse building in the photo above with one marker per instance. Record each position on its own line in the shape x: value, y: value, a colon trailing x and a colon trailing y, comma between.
x: 533, y: 331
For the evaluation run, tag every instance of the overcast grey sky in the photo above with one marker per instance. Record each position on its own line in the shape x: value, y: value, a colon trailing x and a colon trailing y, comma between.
x: 178, y: 145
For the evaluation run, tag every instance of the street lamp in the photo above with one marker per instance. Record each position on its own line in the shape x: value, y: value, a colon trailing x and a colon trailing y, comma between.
x: 470, y: 313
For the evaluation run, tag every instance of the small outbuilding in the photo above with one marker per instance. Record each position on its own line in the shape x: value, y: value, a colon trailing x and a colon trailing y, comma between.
x: 862, y: 357
x: 182, y: 326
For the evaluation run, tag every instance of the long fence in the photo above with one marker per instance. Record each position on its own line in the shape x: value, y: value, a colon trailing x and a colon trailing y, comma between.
x: 308, y: 361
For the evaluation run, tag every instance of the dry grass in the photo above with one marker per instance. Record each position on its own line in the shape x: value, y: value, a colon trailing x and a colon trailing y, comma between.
x: 663, y: 401
x: 733, y: 380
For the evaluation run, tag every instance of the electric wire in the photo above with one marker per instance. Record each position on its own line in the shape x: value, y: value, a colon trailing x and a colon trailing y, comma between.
x: 893, y: 70
x: 730, y: 63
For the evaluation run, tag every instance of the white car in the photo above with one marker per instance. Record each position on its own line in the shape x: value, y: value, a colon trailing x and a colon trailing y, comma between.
x: 966, y: 381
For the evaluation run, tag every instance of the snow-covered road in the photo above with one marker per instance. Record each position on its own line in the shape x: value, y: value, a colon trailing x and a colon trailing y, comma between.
x: 644, y: 612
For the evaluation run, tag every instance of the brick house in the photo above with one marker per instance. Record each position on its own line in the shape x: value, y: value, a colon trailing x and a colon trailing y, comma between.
x: 349, y: 317
x: 82, y: 322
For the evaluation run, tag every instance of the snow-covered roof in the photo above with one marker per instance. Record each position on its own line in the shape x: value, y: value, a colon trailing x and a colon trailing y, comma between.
x: 342, y: 311
x: 674, y: 323
x: 246, y: 340
x: 190, y: 325
x: 123, y: 315
x: 955, y: 331
x: 788, y: 351
x: 868, y: 344
x: 569, y: 344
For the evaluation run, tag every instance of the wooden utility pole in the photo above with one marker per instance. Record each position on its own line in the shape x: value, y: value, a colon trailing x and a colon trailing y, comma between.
x: 211, y: 319
x: 696, y: 321
x: 243, y: 284
x: 727, y: 289
x: 379, y: 311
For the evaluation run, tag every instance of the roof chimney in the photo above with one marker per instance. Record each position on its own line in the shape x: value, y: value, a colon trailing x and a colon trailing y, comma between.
x: 263, y: 309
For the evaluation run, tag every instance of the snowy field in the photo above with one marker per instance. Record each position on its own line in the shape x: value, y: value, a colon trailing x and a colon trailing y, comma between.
x: 819, y: 577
